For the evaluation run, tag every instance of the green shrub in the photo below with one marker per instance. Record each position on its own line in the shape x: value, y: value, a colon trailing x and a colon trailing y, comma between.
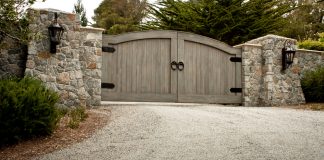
x: 313, y: 85
x: 27, y: 109
x: 321, y: 37
x: 313, y: 44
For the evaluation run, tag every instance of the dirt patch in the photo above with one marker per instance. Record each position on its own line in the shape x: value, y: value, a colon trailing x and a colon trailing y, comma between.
x: 63, y: 136
x: 308, y: 106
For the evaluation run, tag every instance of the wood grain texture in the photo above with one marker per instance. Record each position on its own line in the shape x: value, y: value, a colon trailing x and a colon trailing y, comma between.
x: 133, y: 36
x: 220, y: 99
x: 208, y: 71
x: 140, y: 68
x: 208, y: 41
x: 144, y: 97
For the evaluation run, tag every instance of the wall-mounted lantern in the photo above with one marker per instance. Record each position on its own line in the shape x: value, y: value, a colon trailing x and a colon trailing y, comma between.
x: 55, y: 32
x: 288, y: 54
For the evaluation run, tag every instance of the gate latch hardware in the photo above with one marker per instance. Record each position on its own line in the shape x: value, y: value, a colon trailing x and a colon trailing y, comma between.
x: 108, y: 49
x: 180, y: 66
x: 175, y: 65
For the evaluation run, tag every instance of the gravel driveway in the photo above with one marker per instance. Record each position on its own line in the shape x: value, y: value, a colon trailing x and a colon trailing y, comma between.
x: 199, y: 132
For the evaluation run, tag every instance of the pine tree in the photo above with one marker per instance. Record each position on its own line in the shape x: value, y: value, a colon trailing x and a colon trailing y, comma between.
x: 305, y: 21
x: 79, y: 9
x: 231, y: 21
x: 14, y: 21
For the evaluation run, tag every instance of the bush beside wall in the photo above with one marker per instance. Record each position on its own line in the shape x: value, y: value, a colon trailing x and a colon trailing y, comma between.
x: 313, y: 85
x: 313, y: 44
x: 27, y: 109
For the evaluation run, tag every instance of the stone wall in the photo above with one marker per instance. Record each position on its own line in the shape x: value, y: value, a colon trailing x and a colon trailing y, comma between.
x: 75, y: 70
x: 264, y: 82
x: 13, y: 56
x: 307, y: 60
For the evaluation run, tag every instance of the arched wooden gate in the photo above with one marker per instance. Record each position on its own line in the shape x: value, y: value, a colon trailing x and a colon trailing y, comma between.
x: 170, y: 66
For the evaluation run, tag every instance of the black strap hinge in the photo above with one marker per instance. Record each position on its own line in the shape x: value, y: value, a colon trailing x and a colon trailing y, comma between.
x: 108, y: 85
x: 236, y: 59
x: 108, y: 49
x: 236, y: 90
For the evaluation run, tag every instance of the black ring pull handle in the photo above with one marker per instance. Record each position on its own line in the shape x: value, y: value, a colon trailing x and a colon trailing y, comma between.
x: 174, y: 65
x: 180, y: 66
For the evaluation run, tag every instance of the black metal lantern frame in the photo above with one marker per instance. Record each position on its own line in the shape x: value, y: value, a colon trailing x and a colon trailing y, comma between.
x: 288, y: 54
x: 55, y: 32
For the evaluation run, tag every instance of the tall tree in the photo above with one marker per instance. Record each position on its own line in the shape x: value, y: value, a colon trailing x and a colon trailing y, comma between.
x: 79, y: 9
x: 231, y: 21
x: 118, y: 16
x: 14, y: 21
x: 305, y: 21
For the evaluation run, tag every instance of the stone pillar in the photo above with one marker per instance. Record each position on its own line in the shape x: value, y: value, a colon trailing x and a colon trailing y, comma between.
x: 75, y: 70
x: 272, y: 87
x: 251, y: 73
x: 267, y: 56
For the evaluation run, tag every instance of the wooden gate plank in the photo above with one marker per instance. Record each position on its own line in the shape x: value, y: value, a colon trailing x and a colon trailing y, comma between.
x: 145, y: 97
x: 221, y: 99
x: 238, y: 74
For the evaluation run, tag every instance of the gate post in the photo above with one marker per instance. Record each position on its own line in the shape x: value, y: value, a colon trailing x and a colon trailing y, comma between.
x: 74, y: 72
x: 264, y: 81
x: 251, y: 73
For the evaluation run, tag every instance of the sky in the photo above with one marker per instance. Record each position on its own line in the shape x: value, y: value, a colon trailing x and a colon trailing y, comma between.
x: 67, y: 5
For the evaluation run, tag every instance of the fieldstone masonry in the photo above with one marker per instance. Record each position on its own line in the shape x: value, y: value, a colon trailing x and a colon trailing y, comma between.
x: 263, y: 81
x: 13, y: 58
x: 75, y: 70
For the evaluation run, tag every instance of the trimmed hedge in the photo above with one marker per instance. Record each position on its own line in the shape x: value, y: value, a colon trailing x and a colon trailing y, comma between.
x: 313, y: 44
x: 313, y: 85
x: 27, y: 109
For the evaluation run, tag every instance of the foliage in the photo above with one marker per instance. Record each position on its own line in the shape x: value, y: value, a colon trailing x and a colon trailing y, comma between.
x: 27, y: 109
x: 312, y: 44
x: 231, y: 21
x: 76, y: 116
x: 119, y: 16
x: 313, y: 85
x: 79, y: 9
x: 305, y: 21
x: 13, y: 20
x: 321, y: 37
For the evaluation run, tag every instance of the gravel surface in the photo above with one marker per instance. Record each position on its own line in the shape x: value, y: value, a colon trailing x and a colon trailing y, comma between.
x: 143, y: 132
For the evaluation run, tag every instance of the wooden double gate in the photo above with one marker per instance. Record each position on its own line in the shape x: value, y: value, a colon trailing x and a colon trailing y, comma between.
x: 170, y: 66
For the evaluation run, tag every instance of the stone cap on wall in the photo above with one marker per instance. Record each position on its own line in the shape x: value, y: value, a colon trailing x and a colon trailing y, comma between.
x: 93, y: 29
x: 269, y: 36
x: 71, y: 16
x: 310, y: 51
x: 247, y: 44
x: 49, y: 10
